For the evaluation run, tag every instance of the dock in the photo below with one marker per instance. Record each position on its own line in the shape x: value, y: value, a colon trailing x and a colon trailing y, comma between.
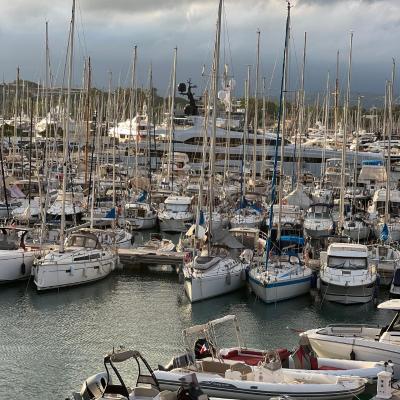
x: 144, y: 256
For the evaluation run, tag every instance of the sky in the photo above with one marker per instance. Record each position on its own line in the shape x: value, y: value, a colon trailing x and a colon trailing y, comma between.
x: 107, y: 31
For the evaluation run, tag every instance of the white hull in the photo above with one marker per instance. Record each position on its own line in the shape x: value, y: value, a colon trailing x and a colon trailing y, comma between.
x: 329, y: 346
x: 216, y: 386
x: 53, y: 276
x: 357, y: 234
x: 278, y: 291
x: 137, y: 224
x: 198, y: 289
x: 15, y: 265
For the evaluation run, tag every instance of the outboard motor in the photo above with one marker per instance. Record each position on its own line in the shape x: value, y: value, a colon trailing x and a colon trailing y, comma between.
x: 190, y: 389
x: 95, y: 386
x: 181, y: 361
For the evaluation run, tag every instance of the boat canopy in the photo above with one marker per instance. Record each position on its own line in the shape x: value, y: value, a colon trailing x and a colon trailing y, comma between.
x: 293, y: 239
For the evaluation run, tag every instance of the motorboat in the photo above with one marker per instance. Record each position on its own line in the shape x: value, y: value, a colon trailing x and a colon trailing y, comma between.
x: 386, y: 258
x: 83, y: 260
x: 345, y: 275
x: 102, y: 386
x: 234, y: 379
x: 157, y: 244
x: 318, y: 221
x: 139, y: 216
x: 176, y: 215
x: 360, y: 342
x: 16, y: 258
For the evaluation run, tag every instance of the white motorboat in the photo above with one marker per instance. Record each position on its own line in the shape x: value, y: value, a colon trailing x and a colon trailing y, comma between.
x: 177, y: 215
x: 139, y: 216
x: 345, y: 274
x: 386, y: 259
x: 157, y: 244
x: 318, y: 221
x: 84, y: 260
x: 240, y: 381
x: 360, y: 342
x: 16, y: 258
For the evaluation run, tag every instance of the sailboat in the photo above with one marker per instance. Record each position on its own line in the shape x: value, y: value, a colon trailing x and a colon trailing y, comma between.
x: 215, y: 271
x: 283, y: 276
x: 81, y: 258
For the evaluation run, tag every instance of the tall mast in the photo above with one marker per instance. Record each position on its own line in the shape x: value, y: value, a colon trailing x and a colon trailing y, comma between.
x: 256, y: 110
x: 336, y: 98
x: 345, y: 127
x: 132, y: 105
x: 171, y: 124
x: 326, y: 125
x: 1, y: 148
x: 66, y: 132
x: 301, y: 113
x: 264, y: 111
x: 214, y: 119
x: 280, y: 112
x: 88, y: 118
x: 282, y: 158
x: 15, y: 120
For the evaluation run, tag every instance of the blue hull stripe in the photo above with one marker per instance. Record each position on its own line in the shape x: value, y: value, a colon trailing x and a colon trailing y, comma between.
x: 276, y: 284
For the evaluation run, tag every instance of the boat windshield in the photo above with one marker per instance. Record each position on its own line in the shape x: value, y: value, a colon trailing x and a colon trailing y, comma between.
x: 347, y: 263
x: 177, y: 207
x: 87, y: 242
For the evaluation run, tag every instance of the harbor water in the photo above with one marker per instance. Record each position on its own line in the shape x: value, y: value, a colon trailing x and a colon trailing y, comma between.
x: 51, y: 342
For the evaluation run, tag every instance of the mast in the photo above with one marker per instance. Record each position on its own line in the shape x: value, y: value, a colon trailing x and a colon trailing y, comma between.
x: 245, y: 138
x: 150, y: 113
x: 66, y: 132
x: 301, y: 113
x: 256, y: 110
x: 326, y: 125
x: 336, y: 98
x: 1, y: 149
x: 132, y: 105
x: 171, y: 124
x: 264, y: 122
x: 282, y: 158
x: 345, y: 123
x: 88, y: 117
x: 15, y: 120
x: 214, y: 120
x: 280, y: 112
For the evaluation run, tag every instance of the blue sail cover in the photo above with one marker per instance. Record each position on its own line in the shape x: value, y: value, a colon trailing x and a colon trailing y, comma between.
x: 111, y: 214
x: 372, y: 162
x: 142, y: 197
x: 384, y: 233
x: 202, y: 220
x: 293, y: 239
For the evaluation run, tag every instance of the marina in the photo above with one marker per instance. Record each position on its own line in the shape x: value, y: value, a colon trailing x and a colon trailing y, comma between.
x: 223, y: 240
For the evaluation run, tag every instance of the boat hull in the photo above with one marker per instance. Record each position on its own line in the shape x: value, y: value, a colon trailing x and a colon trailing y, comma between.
x: 198, y: 289
x: 347, y: 294
x: 216, y: 386
x: 341, y: 347
x: 138, y: 224
x: 174, y: 225
x: 273, y: 292
x: 15, y: 266
x: 55, y: 276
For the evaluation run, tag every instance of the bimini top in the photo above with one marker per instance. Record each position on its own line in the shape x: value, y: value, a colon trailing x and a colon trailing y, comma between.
x: 347, y: 250
x: 393, y: 304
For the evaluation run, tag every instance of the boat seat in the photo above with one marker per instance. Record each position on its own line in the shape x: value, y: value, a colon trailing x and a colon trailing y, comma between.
x: 242, y: 368
x: 214, y: 367
x: 167, y: 395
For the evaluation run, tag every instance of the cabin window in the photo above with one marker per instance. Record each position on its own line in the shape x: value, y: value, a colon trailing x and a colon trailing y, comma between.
x: 347, y: 263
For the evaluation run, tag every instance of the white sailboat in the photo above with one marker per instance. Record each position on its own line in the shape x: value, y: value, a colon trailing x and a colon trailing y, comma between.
x: 215, y: 271
x: 16, y: 258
